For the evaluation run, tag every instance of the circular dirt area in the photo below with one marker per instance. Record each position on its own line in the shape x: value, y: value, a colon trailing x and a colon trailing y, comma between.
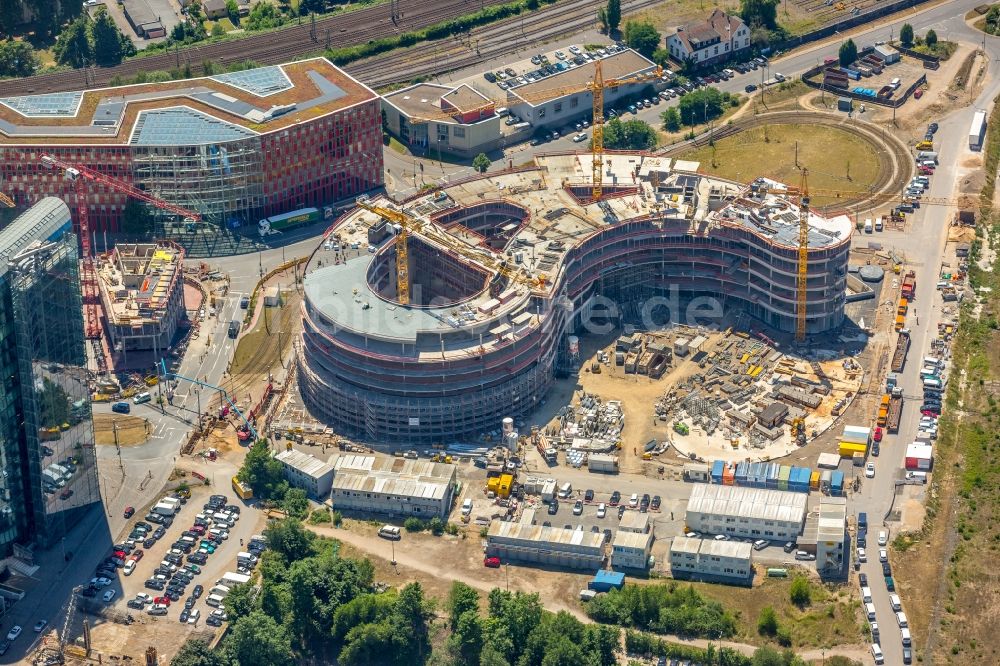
x: 838, y: 160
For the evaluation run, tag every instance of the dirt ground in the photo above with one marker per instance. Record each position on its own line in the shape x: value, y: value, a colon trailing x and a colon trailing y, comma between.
x: 132, y: 430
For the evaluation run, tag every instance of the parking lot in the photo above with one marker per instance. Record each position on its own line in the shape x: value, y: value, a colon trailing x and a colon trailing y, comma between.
x: 171, y: 565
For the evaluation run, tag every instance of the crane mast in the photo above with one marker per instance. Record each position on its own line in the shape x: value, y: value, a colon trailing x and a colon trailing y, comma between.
x: 803, y: 272
x: 597, y: 88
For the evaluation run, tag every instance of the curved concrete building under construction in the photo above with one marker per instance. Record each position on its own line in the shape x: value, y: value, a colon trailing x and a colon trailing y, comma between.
x: 505, y: 268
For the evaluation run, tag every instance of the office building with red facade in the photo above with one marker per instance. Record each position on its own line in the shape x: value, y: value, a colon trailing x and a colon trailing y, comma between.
x: 235, y: 147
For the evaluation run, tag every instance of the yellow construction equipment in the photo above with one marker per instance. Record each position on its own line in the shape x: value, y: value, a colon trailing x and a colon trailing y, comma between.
x: 803, y: 272
x: 405, y: 224
x: 6, y: 200
x: 595, y: 87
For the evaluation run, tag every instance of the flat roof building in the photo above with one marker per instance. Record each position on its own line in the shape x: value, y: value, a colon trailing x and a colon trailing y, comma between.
x: 832, y: 539
x: 306, y: 471
x: 142, y: 294
x: 635, y: 521
x: 711, y: 560
x: 432, y: 117
x: 632, y: 550
x: 549, y: 546
x: 756, y: 513
x: 235, y: 147
x: 389, y: 485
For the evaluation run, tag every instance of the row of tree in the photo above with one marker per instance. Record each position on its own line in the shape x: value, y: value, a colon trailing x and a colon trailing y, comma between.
x: 266, y: 476
x: 96, y: 41
x: 668, y: 608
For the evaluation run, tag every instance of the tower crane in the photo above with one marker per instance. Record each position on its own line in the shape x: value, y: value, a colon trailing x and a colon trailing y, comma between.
x: 595, y: 87
x: 79, y: 175
x: 406, y: 223
x: 803, y: 271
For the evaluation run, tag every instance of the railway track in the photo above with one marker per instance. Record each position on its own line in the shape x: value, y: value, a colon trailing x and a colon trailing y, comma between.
x: 482, y: 43
x: 268, y: 48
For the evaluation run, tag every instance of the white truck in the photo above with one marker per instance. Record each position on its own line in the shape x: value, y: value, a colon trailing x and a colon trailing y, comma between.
x: 977, y: 130
x: 165, y: 509
x: 231, y: 578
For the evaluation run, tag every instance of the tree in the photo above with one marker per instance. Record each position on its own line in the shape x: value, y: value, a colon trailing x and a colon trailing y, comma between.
x: 767, y: 622
x: 602, y: 18
x: 409, y: 626
x: 257, y: 640
x: 240, y: 601
x: 466, y: 640
x: 197, y: 653
x: 233, y: 10
x: 217, y: 30
x: 73, y: 46
x: 17, y: 58
x: 848, y: 53
x: 767, y: 656
x: 614, y: 15
x: 263, y: 473
x: 110, y: 45
x: 906, y: 35
x: 642, y: 36
x: 703, y: 105
x: 481, y: 163
x: 461, y: 599
x: 295, y: 503
x: 800, y: 592
x: 671, y: 119
x: 931, y: 39
x: 762, y: 13
x: 629, y: 135
x: 263, y: 16
x: 288, y: 538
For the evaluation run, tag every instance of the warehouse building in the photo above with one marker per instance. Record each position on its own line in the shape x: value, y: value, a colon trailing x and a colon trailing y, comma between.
x: 441, y: 119
x: 755, y: 513
x: 142, y: 293
x: 563, y: 98
x: 306, y: 471
x: 711, y: 560
x: 632, y: 550
x: 549, y: 546
x: 395, y: 486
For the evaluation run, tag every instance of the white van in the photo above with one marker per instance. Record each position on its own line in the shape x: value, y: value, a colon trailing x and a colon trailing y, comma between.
x: 895, y: 83
x: 868, y: 225
x: 905, y: 633
x: 467, y: 506
x: 901, y: 619
x: 932, y: 361
x: 390, y: 532
x: 214, y: 600
x: 933, y: 383
x: 188, y: 540
x: 142, y: 397
x: 245, y: 558
x: 866, y: 595
x: 193, y: 616
x: 877, y: 654
x: 894, y: 602
x: 565, y: 490
x: 219, y: 590
x: 878, y: 224
x: 870, y: 611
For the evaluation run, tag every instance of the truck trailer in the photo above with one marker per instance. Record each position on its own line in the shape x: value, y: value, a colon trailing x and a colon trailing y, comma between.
x: 977, y: 131
x: 895, y: 410
x: 296, y: 218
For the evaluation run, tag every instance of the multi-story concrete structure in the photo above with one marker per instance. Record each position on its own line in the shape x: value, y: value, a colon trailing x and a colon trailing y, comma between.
x: 720, y: 37
x: 754, y: 513
x: 395, y: 486
x: 832, y: 540
x: 508, y: 266
x: 549, y: 546
x: 46, y: 431
x: 234, y: 147
x: 631, y: 550
x: 711, y: 560
x: 142, y: 294
x: 441, y: 119
x: 306, y: 471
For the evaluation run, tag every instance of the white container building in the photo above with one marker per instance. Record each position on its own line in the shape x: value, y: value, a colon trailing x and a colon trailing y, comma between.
x: 550, y: 546
x: 306, y: 471
x: 708, y: 559
x: 396, y: 486
x: 756, y: 513
x: 632, y: 550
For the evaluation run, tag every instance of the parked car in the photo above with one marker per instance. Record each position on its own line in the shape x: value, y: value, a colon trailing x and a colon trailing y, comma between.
x: 492, y: 562
x: 129, y: 512
x: 14, y: 632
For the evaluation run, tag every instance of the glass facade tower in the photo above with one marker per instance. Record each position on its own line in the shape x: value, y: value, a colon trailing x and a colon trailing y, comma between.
x: 46, y: 427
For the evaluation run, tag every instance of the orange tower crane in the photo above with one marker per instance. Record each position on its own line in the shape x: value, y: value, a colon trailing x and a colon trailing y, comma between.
x: 803, y: 272
x: 79, y: 175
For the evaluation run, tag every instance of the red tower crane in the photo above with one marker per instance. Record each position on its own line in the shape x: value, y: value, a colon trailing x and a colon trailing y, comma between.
x: 78, y: 175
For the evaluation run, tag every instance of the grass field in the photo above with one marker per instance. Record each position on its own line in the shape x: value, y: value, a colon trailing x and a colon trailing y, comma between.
x: 131, y: 429
x: 831, y: 619
x: 668, y: 15
x: 258, y: 350
x: 837, y: 160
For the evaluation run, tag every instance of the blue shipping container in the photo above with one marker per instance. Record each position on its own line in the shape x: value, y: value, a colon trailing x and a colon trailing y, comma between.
x: 852, y: 73
x: 742, y: 471
x: 837, y: 483
x: 605, y: 580
x: 717, y: 468
x: 772, y: 475
x: 757, y: 474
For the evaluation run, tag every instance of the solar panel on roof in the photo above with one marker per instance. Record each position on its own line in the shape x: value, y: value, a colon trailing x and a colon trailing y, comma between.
x: 262, y: 81
x: 52, y: 104
x: 181, y: 126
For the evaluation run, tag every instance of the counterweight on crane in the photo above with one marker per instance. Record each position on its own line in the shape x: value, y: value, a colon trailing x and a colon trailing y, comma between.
x: 78, y: 175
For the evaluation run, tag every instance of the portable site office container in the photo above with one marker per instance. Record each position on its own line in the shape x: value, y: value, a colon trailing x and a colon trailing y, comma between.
x: 783, y: 475
x: 757, y: 475
x: 728, y: 475
x: 837, y: 483
x: 742, y: 472
x: 717, y: 468
x: 814, y: 479
x: 824, y: 479
x: 772, y: 475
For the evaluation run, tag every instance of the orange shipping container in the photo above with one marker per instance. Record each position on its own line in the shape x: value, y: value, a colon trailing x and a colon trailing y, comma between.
x: 729, y: 476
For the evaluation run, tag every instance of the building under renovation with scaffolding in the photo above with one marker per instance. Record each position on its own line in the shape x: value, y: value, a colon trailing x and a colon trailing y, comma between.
x: 505, y: 271
x: 234, y: 147
x: 142, y: 293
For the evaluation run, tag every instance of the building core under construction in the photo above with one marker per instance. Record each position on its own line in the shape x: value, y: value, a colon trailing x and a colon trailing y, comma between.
x: 504, y: 271
x: 142, y: 293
